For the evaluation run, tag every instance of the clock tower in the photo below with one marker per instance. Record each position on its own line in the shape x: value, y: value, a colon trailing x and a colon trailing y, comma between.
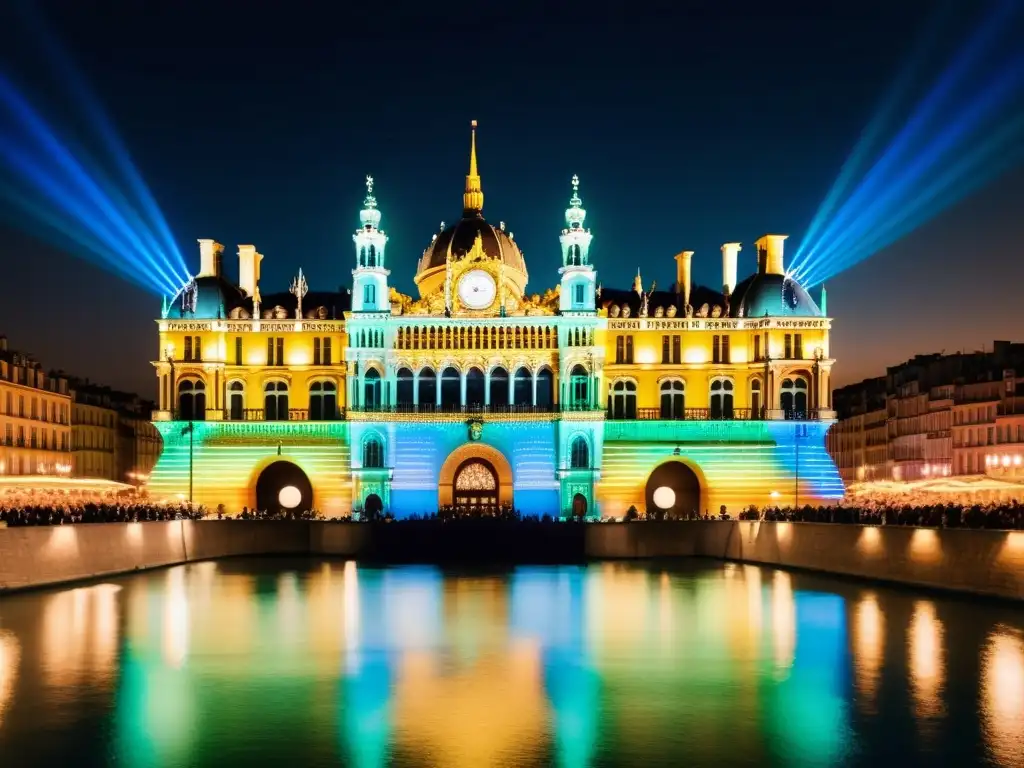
x: 579, y: 279
x: 370, y: 278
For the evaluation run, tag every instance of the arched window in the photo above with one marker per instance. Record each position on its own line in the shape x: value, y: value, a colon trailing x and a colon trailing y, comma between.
x: 499, y: 386
x: 373, y: 453
x: 371, y: 390
x: 275, y: 401
x: 673, y: 399
x: 236, y: 401
x: 323, y: 401
x: 575, y: 259
x: 579, y: 388
x: 794, y: 397
x: 522, y: 387
x: 404, y: 393
x: 755, y: 399
x: 721, y: 399
x: 622, y: 400
x: 475, y: 387
x: 545, y: 388
x: 192, y: 400
x: 579, y: 453
x: 427, y: 389
x: 372, y: 261
x: 451, y: 388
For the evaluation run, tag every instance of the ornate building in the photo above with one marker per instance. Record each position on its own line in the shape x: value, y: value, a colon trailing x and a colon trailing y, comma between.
x: 478, y: 393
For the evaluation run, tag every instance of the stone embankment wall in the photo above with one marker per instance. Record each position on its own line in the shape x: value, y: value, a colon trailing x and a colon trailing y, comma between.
x: 981, y: 562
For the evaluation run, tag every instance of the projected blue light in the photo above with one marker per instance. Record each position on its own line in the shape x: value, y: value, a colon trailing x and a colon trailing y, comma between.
x: 910, y: 183
x: 65, y: 198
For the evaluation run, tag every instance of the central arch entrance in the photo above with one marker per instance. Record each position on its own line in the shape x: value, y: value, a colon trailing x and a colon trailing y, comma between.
x: 282, y: 488
x: 673, y: 491
x: 476, y: 485
x: 475, y: 475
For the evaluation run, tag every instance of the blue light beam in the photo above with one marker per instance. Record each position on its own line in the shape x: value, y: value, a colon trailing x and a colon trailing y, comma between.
x: 75, y: 190
x: 923, y: 114
x: 168, y: 249
x: 990, y: 100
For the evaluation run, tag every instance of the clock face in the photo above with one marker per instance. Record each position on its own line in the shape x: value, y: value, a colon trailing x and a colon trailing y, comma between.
x: 476, y: 289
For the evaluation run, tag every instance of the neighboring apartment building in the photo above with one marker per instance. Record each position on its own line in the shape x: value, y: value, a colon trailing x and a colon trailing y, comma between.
x: 35, y: 413
x: 934, y: 416
x: 112, y: 436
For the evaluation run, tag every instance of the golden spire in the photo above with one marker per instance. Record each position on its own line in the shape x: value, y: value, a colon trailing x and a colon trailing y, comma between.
x: 473, y: 197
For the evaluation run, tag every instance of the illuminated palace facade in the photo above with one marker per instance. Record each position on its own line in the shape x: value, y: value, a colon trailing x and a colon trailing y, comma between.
x: 480, y: 394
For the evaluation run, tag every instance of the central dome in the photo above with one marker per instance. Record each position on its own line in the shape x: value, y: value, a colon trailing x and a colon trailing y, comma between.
x: 460, y: 239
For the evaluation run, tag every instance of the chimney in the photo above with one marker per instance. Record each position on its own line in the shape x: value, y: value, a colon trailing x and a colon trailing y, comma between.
x: 769, y: 254
x: 729, y: 252
x: 683, y: 275
x: 209, y: 258
x: 249, y: 268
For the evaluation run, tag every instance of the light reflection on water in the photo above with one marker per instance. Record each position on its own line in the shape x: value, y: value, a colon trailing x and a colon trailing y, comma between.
x: 325, y: 663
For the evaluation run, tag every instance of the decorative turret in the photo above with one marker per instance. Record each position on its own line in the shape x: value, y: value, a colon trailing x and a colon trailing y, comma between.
x: 473, y: 197
x: 575, y: 238
x: 370, y: 278
x: 579, y: 279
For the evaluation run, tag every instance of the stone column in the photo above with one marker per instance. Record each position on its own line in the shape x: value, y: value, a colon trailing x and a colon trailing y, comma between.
x: 415, y: 388
x: 462, y: 388
x: 487, y: 388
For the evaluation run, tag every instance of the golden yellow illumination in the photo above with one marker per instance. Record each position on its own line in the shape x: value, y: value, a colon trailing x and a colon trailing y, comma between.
x: 783, y: 620
x: 927, y: 659
x: 502, y: 694
x: 10, y: 660
x: 870, y: 541
x: 646, y: 355
x: 1002, y: 697
x: 925, y: 546
x: 783, y: 532
x: 869, y: 648
x: 695, y: 355
x: 350, y: 611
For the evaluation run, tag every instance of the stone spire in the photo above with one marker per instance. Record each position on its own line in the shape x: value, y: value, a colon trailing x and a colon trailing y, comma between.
x: 575, y: 238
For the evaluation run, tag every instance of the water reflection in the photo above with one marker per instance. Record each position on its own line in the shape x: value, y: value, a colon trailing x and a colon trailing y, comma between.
x: 869, y: 648
x: 266, y: 663
x: 1003, y: 695
x: 927, y: 665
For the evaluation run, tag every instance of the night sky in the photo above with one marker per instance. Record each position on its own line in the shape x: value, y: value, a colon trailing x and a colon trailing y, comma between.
x: 690, y: 124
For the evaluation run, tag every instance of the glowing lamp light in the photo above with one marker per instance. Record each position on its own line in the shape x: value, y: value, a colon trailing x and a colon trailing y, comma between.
x: 290, y: 497
x: 1016, y: 460
x: 1006, y: 461
x: 774, y: 494
x: 664, y: 497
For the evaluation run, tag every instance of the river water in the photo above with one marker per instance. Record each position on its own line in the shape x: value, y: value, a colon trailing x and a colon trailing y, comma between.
x: 308, y: 663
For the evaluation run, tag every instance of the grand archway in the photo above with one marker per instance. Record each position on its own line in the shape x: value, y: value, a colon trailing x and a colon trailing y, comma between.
x: 476, y: 485
x: 473, y: 466
x: 673, y: 490
x: 283, y: 487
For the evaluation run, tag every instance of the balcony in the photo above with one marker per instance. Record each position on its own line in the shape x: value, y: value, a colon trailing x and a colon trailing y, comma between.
x: 463, y: 410
x: 707, y: 414
x: 260, y: 414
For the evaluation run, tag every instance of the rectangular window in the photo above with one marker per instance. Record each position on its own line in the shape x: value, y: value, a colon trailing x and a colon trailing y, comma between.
x: 197, y: 348
x: 665, y: 350
x: 620, y: 342
x: 788, y: 349
x: 725, y: 350
x: 35, y: 408
x: 716, y: 349
x: 369, y: 296
x: 280, y: 350
x: 677, y: 350
x: 316, y: 351
x: 327, y: 350
x: 757, y: 348
x: 21, y: 406
x: 8, y: 434
x: 270, y: 350
x: 578, y: 295
x: 798, y: 346
x: 188, y: 348
x: 629, y: 350
x: 238, y: 350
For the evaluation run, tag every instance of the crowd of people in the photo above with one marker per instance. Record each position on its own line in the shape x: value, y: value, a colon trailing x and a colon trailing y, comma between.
x: 58, y: 508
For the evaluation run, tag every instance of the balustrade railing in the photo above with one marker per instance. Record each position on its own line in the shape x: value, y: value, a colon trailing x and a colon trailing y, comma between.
x: 444, y: 408
x: 703, y: 414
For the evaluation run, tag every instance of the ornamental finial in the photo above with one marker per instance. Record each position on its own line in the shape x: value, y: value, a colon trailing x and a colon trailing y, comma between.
x: 369, y: 184
x: 574, y: 214
x: 299, y: 289
x: 473, y: 197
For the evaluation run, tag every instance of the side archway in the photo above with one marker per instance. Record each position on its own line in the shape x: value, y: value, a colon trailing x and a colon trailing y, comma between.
x: 283, y: 487
x: 492, y: 456
x: 673, y: 490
